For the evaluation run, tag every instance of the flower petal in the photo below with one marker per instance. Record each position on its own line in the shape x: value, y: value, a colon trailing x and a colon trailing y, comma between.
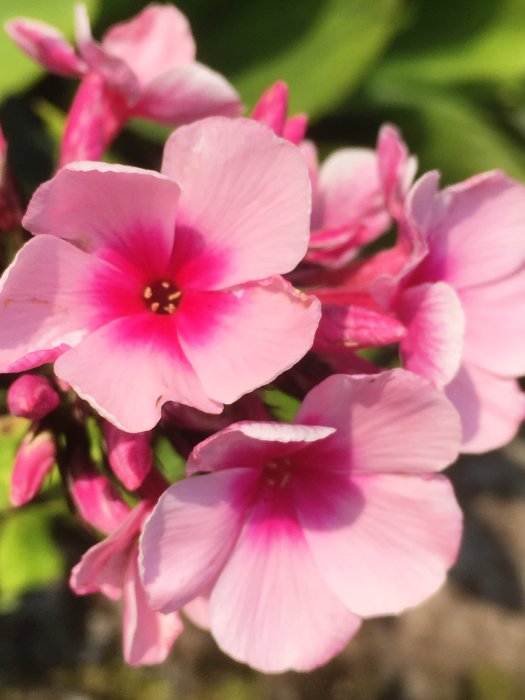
x: 44, y: 302
x: 433, y: 344
x: 99, y: 207
x: 147, y: 636
x: 187, y: 93
x: 190, y: 534
x: 45, y: 45
x: 128, y: 368
x: 245, y: 199
x: 270, y: 607
x: 156, y: 40
x: 240, y: 339
x: 251, y: 444
x: 395, y: 421
x: 381, y: 542
x: 491, y: 408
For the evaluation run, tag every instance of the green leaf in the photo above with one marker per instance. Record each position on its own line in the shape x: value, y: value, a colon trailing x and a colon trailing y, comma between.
x: 19, y: 71
x: 449, y: 132
x: 460, y: 40
x: 11, y: 432
x: 283, y: 406
x: 29, y: 558
x: 170, y: 463
x: 322, y: 59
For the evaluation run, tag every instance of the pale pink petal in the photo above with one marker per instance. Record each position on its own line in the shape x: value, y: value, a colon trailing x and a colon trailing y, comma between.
x: 495, y: 325
x: 156, y: 40
x: 396, y: 168
x: 44, y: 302
x: 46, y: 45
x: 251, y: 444
x: 198, y: 612
x: 254, y: 333
x: 103, y: 566
x: 129, y: 455
x: 187, y: 93
x: 435, y: 323
x: 491, y: 408
x: 147, y: 636
x: 129, y: 398
x: 116, y: 73
x: 33, y: 462
x: 272, y: 107
x: 190, y: 534
x: 99, y: 206
x: 355, y: 326
x: 474, y: 229
x: 270, y: 607
x: 381, y: 542
x: 395, y: 421
x: 245, y: 200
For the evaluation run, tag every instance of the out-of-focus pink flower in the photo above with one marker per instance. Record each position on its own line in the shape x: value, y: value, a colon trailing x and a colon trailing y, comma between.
x: 357, y: 194
x: 32, y: 396
x: 300, y: 530
x: 33, y: 462
x: 10, y: 211
x: 143, y: 67
x: 152, y: 288
x: 463, y: 304
x: 110, y: 567
x: 129, y: 455
x: 272, y: 110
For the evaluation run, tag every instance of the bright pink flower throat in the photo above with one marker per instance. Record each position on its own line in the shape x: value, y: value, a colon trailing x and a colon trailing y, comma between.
x: 162, y: 297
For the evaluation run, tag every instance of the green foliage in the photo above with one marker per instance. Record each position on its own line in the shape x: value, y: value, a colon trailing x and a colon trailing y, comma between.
x: 169, y: 461
x: 11, y: 432
x: 29, y: 557
x: 282, y: 406
x: 18, y: 71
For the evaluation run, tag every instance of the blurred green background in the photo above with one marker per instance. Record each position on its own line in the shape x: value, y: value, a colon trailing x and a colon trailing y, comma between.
x: 451, y: 75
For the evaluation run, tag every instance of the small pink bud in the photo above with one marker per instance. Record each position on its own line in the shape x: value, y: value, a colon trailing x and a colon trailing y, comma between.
x: 34, y: 460
x: 32, y: 396
x: 96, y: 499
x: 129, y: 455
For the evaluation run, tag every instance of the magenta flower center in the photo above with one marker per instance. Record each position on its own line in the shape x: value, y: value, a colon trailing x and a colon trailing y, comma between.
x: 277, y: 472
x: 161, y: 297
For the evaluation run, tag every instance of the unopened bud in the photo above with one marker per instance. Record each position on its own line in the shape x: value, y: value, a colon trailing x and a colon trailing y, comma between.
x: 129, y: 455
x: 34, y: 460
x: 32, y: 396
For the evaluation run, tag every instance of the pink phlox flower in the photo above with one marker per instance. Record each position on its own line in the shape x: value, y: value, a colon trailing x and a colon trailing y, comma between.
x: 295, y: 532
x: 153, y: 287
x: 358, y: 193
x: 110, y: 567
x: 143, y: 67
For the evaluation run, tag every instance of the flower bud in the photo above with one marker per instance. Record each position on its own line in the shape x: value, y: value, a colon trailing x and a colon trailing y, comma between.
x: 34, y: 460
x: 129, y: 455
x: 32, y: 396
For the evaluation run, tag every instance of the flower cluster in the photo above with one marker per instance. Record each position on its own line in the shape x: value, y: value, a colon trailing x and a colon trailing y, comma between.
x: 175, y: 304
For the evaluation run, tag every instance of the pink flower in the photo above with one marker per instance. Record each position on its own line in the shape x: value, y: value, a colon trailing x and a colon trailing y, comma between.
x: 357, y: 193
x: 299, y: 530
x: 463, y: 304
x: 143, y: 67
x: 151, y: 288
x: 33, y: 462
x: 32, y: 396
x: 110, y: 567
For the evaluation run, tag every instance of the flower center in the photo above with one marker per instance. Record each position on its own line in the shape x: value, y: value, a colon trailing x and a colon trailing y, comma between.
x: 278, y: 472
x: 161, y: 297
